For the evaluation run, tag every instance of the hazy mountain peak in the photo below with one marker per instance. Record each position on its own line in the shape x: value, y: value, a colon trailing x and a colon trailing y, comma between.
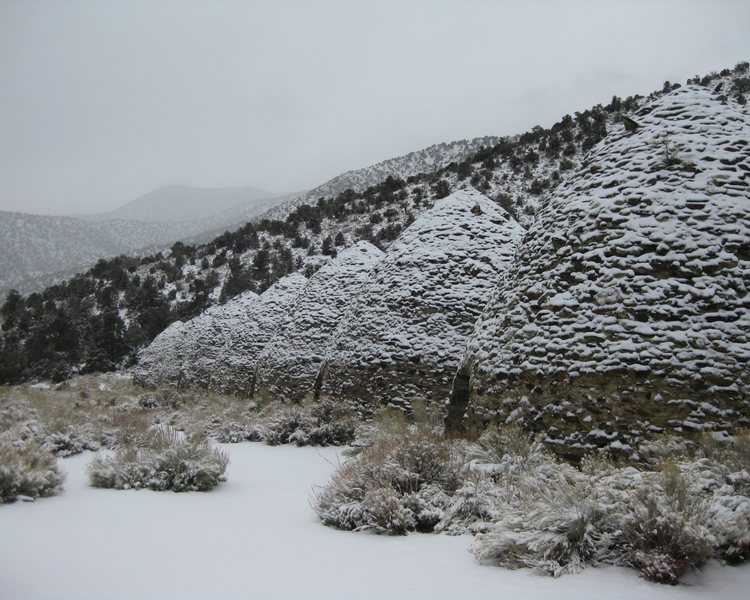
x: 174, y: 203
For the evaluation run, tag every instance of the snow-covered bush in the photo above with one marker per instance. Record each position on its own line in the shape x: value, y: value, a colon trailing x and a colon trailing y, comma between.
x: 730, y: 523
x: 663, y: 527
x: 726, y: 488
x: 664, y: 523
x: 552, y: 524
x: 167, y: 461
x: 27, y: 470
x: 320, y: 423
x: 227, y: 429
x: 664, y: 448
x: 394, y: 486
x: 74, y: 439
x: 473, y: 505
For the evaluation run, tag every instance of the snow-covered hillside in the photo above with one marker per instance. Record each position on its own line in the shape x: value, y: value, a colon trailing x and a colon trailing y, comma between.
x: 626, y: 311
x: 38, y: 245
x: 39, y: 249
x: 402, y: 337
x: 428, y: 160
x: 149, y: 292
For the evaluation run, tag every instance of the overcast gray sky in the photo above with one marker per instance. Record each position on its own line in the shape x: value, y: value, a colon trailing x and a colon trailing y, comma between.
x: 102, y: 101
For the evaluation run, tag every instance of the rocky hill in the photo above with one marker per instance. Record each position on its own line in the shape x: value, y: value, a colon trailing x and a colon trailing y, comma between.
x: 626, y: 311
x: 288, y: 365
x: 400, y: 340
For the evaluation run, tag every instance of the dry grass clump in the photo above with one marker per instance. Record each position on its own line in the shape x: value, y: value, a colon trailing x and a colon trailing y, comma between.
x: 26, y: 470
x: 165, y: 460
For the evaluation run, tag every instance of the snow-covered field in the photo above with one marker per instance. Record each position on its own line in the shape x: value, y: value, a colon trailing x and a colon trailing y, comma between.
x: 255, y: 536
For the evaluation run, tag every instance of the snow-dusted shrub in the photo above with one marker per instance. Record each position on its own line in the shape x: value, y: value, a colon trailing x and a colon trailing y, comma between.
x: 499, y: 463
x: 27, y: 470
x: 497, y: 443
x: 730, y: 523
x: 321, y: 423
x: 384, y: 510
x: 19, y: 422
x: 509, y: 455
x: 732, y: 453
x: 662, y: 523
x: 162, y: 398
x: 394, y: 486
x: 232, y: 430
x: 473, y: 505
x: 167, y: 461
x: 663, y: 526
x: 553, y: 526
x: 74, y: 439
x: 725, y: 488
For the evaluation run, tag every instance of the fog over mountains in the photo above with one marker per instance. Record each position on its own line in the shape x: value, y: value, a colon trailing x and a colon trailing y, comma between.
x: 40, y: 249
x: 176, y: 203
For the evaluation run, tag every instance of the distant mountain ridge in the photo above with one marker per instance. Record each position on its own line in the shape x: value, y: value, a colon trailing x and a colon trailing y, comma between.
x: 177, y: 203
x: 41, y: 249
x: 39, y: 256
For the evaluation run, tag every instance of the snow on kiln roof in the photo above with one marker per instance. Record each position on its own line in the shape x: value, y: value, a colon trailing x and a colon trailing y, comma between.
x: 185, y: 353
x: 403, y: 336
x: 289, y: 363
x: 247, y: 338
x: 218, y: 348
x: 628, y: 301
x: 161, y: 361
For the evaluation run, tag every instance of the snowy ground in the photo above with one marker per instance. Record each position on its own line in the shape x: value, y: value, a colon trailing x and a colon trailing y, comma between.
x: 256, y: 537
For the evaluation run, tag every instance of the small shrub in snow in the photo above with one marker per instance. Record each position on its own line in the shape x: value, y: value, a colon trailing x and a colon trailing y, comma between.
x: 554, y: 528
x: 227, y: 430
x: 384, y: 510
x: 394, y: 486
x: 74, y: 439
x: 725, y: 490
x: 472, y: 506
x: 166, y: 462
x: 663, y: 527
x: 27, y: 470
x: 321, y: 423
x: 496, y: 444
x: 733, y: 454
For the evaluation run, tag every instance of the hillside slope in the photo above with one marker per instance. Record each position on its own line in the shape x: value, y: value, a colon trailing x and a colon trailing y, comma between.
x: 427, y: 160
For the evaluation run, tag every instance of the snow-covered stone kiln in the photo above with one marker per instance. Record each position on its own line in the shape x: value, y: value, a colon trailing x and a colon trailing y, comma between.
x: 219, y: 348
x: 627, y: 310
x: 404, y: 334
x: 288, y: 365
